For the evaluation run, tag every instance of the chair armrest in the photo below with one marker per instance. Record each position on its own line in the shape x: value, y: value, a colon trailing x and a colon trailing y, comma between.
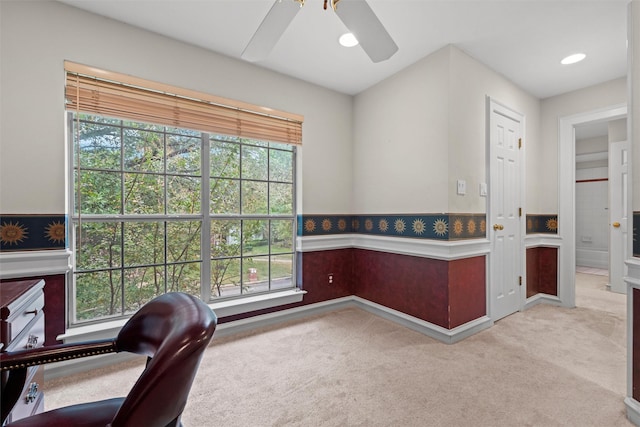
x: 14, y: 365
x: 55, y: 353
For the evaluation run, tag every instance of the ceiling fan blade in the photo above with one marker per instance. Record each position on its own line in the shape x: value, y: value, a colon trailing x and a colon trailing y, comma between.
x: 270, y: 30
x: 359, y: 18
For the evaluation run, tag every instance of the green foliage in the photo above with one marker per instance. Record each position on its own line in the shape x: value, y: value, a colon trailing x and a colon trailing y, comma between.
x: 139, y: 215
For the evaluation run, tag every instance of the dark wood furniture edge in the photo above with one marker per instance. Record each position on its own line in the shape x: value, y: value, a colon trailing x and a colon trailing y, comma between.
x: 16, y: 364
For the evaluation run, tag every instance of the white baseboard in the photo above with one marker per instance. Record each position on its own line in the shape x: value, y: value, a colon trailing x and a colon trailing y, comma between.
x: 633, y: 410
x: 447, y: 336
x: 542, y: 299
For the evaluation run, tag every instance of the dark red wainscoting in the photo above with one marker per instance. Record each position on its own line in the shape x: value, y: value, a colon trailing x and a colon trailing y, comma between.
x: 446, y: 293
x: 542, y: 271
x: 316, y: 267
x: 413, y: 285
x: 467, y: 290
x: 635, y: 370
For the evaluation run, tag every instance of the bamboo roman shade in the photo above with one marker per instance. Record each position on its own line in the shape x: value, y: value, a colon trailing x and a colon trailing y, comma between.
x: 118, y: 95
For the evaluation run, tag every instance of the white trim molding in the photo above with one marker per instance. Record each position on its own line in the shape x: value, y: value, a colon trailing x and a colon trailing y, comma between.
x: 34, y: 263
x: 542, y: 241
x: 633, y: 282
x: 566, y: 194
x: 426, y: 248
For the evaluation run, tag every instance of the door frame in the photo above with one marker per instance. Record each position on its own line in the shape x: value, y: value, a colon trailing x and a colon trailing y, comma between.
x: 567, y: 196
x: 491, y: 104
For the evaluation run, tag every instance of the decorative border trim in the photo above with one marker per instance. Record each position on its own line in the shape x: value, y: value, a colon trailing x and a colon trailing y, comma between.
x: 32, y: 232
x: 445, y: 226
x: 636, y: 235
x: 547, y: 224
x: 46, y: 232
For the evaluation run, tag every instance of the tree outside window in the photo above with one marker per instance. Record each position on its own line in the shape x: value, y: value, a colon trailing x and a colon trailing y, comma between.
x: 159, y: 209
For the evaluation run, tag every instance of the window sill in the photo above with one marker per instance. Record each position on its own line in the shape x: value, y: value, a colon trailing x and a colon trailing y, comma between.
x: 106, y: 330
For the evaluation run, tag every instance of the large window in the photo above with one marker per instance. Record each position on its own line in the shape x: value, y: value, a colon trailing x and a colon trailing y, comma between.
x: 159, y: 208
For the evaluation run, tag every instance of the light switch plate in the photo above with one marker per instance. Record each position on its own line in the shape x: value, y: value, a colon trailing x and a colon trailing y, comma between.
x: 462, y: 187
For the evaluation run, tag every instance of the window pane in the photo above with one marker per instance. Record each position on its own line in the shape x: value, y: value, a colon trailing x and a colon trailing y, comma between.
x: 255, y: 275
x: 132, y: 168
x: 281, y: 236
x: 144, y: 193
x: 183, y: 241
x: 254, y: 198
x: 225, y: 238
x: 225, y: 196
x: 99, y: 146
x: 98, y: 193
x: 143, y: 243
x: 256, y: 142
x: 141, y: 126
x: 141, y: 285
x: 225, y: 159
x: 183, y: 154
x: 98, y: 245
x: 280, y: 146
x: 143, y: 150
x: 99, y: 119
x: 225, y: 277
x: 281, y: 198
x: 255, y: 234
x: 254, y: 163
x: 98, y: 294
x: 281, y: 166
x: 183, y: 195
x: 184, y: 277
x: 185, y: 132
x: 281, y: 271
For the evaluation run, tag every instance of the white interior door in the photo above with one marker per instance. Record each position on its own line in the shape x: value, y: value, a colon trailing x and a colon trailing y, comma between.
x: 505, y: 174
x: 618, y: 213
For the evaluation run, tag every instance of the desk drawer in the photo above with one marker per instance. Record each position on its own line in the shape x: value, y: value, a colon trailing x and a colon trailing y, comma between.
x: 31, y: 400
x: 31, y: 337
x: 24, y: 314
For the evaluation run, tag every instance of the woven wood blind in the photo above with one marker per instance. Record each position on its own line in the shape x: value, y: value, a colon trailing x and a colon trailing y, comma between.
x: 118, y: 95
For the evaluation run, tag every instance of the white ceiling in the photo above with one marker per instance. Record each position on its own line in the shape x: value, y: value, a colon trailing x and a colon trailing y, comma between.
x: 521, y: 39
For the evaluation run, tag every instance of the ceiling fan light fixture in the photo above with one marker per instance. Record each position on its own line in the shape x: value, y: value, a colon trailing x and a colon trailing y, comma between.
x: 348, y: 40
x: 572, y: 59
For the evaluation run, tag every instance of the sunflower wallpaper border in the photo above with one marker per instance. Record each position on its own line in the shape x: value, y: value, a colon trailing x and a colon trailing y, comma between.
x: 547, y: 224
x: 32, y: 232
x: 421, y: 226
x: 42, y: 232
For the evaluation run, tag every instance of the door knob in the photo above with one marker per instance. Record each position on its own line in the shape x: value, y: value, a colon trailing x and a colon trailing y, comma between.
x: 616, y: 224
x: 498, y: 227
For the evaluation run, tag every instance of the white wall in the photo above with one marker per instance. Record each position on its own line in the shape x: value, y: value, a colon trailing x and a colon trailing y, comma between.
x: 592, y: 217
x: 419, y: 131
x: 470, y: 82
x: 401, y: 151
x: 37, y: 36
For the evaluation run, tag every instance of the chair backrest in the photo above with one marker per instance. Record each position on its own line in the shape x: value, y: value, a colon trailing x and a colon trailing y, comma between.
x: 173, y: 330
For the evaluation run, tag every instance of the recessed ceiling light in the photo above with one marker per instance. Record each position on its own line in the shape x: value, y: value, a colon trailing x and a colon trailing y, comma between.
x: 348, y: 40
x: 572, y: 59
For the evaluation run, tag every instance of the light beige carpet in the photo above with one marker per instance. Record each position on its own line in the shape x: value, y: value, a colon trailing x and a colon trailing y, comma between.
x: 546, y: 366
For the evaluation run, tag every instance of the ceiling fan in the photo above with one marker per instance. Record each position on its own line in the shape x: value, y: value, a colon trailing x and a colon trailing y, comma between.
x: 356, y: 15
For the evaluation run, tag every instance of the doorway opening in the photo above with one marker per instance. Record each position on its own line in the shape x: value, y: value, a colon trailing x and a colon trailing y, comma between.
x: 574, y: 234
